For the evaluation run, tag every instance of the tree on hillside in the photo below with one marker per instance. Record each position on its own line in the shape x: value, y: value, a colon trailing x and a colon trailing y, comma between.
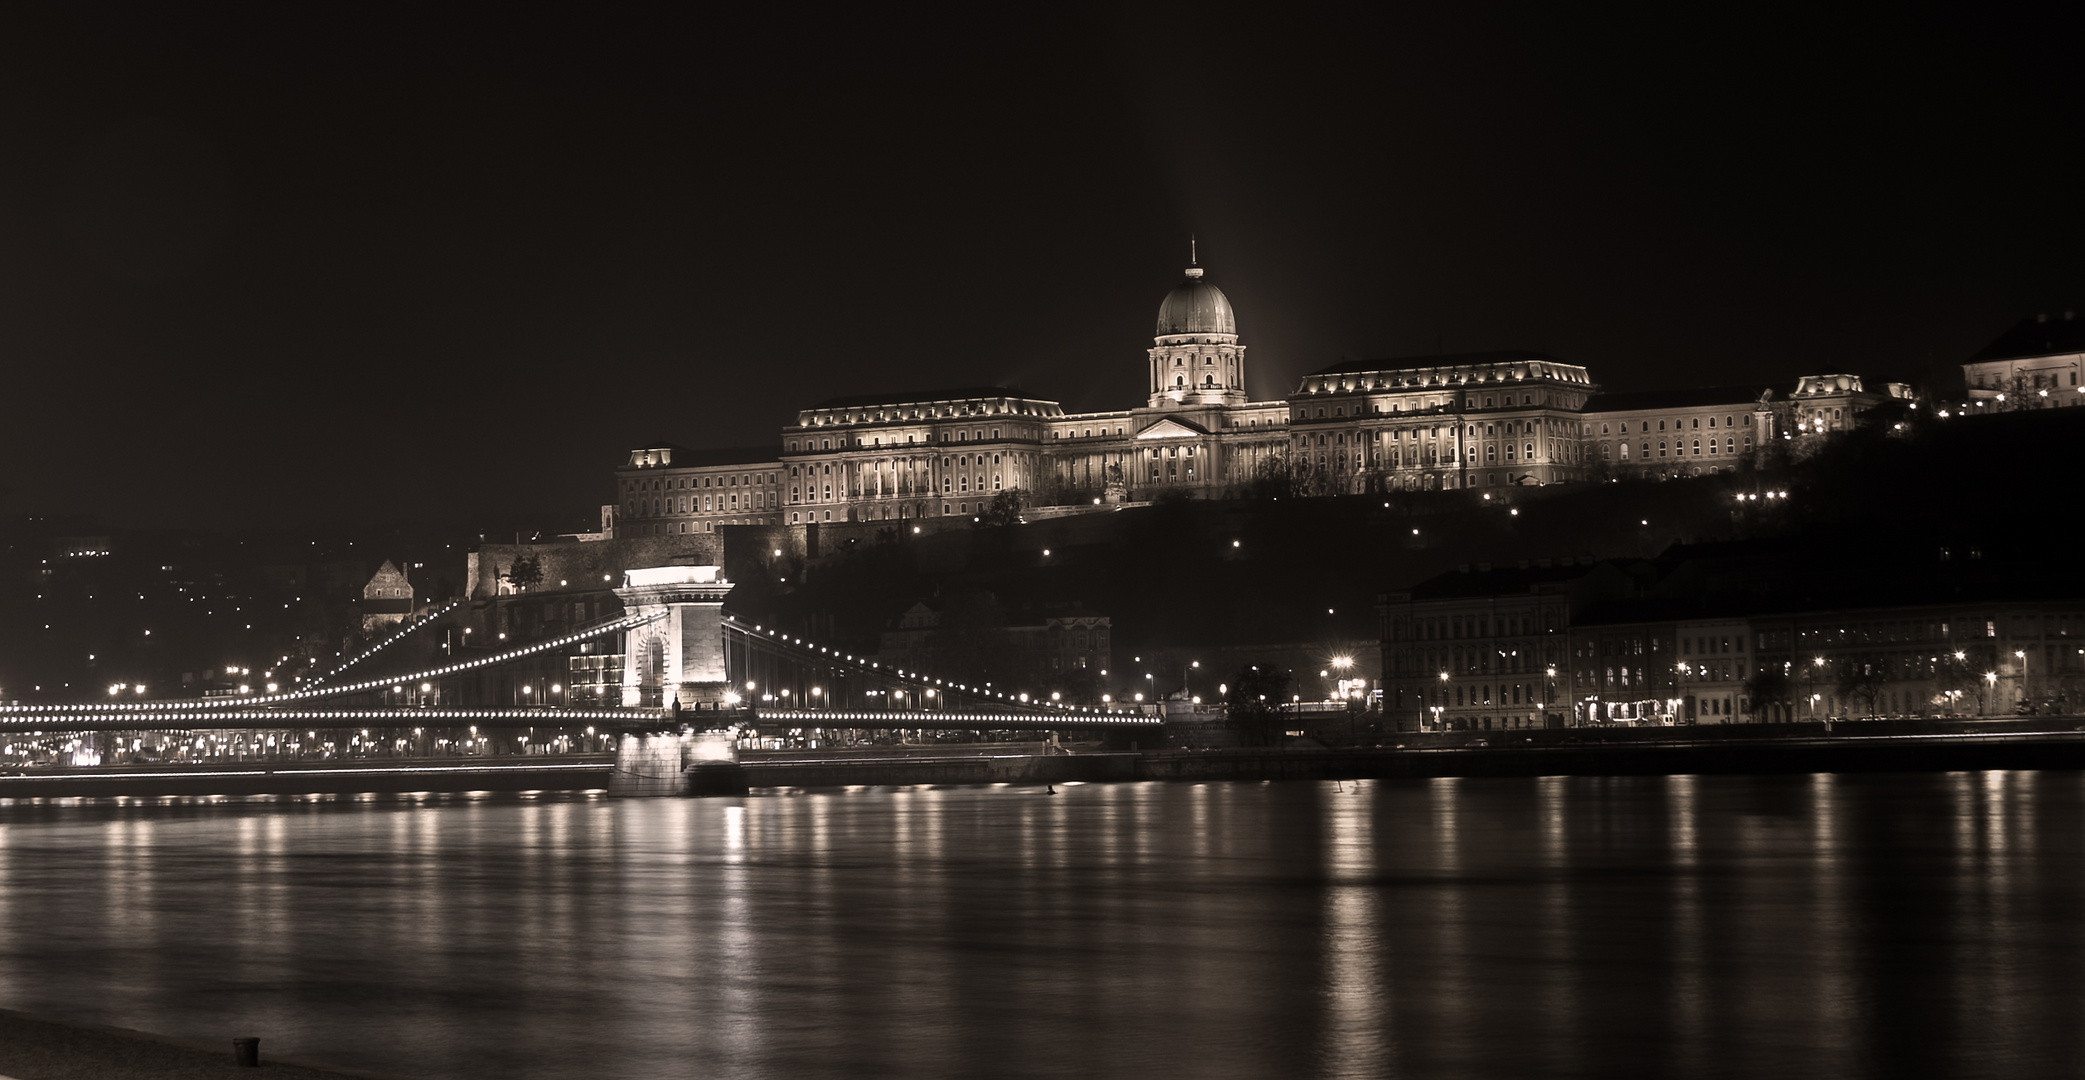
x: 525, y: 573
x: 1005, y: 509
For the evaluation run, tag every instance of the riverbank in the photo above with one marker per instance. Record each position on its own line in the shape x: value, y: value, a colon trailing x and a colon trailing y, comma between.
x: 2040, y: 743
x: 1635, y: 753
x: 575, y: 772
x: 41, y: 1048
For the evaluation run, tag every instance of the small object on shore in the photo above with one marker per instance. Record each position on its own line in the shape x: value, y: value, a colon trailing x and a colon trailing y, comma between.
x: 1049, y: 789
x: 246, y: 1053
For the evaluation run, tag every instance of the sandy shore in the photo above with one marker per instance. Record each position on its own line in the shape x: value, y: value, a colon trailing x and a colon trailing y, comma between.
x: 40, y: 1048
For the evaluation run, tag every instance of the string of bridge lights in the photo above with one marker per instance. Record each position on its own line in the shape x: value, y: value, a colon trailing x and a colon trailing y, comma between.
x: 381, y: 645
x: 144, y: 709
x: 418, y: 717
x: 860, y: 664
x: 629, y: 622
x: 823, y: 718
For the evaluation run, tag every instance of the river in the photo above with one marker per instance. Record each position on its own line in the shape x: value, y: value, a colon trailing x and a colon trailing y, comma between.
x: 1876, y: 925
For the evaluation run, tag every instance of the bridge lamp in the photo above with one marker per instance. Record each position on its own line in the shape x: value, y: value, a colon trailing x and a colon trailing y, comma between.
x: 1198, y: 700
x: 731, y: 697
x: 930, y: 691
x: 1140, y: 697
x: 1055, y: 696
x: 526, y: 689
x: 1106, y: 699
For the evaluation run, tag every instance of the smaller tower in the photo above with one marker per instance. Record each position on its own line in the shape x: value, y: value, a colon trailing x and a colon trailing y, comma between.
x: 1196, y: 360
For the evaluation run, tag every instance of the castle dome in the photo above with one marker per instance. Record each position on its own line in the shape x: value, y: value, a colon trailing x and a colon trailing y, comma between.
x: 1196, y: 307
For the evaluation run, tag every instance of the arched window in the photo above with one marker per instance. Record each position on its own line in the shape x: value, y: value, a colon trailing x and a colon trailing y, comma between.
x: 1179, y: 380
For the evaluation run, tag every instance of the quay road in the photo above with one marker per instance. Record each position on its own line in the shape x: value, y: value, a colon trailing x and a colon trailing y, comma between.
x: 2041, y: 743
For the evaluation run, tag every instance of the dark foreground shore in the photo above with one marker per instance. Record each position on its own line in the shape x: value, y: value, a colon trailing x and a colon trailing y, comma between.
x: 36, y: 1048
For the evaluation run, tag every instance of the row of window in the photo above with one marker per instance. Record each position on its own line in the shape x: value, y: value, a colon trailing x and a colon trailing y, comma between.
x: 672, y: 483
x: 1342, y: 385
x: 1694, y: 422
x: 1376, y: 409
x: 1679, y: 448
x: 874, y: 441
x: 896, y: 414
x: 696, y: 504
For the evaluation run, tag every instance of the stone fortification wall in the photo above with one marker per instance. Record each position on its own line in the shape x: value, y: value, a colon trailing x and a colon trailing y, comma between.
x: 583, y: 565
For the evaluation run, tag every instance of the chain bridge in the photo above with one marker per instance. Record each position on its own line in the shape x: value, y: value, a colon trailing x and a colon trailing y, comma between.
x: 669, y: 683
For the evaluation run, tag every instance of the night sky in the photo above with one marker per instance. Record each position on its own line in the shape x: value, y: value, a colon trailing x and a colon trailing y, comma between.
x: 293, y: 268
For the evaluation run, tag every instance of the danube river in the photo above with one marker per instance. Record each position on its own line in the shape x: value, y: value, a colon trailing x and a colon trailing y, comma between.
x: 1883, y: 925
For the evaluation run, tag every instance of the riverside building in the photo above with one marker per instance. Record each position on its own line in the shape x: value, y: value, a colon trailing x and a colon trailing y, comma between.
x: 1578, y: 643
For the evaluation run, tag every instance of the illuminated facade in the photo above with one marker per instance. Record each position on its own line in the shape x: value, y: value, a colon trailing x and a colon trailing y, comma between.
x: 1421, y: 423
x: 2037, y: 364
x: 1576, y: 643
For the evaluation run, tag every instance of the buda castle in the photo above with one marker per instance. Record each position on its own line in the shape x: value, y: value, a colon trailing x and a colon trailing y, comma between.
x: 1472, y: 420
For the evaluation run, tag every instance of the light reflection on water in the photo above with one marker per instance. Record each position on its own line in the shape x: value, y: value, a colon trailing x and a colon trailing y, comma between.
x: 1789, y: 926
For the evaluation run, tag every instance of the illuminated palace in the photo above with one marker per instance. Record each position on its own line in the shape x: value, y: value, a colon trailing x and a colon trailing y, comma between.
x: 1422, y: 423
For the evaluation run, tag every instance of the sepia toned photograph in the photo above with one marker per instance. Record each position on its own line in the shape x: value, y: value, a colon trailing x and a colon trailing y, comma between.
x: 1411, y: 540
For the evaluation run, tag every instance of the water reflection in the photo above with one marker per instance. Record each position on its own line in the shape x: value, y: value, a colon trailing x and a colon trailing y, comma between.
x: 1843, y: 926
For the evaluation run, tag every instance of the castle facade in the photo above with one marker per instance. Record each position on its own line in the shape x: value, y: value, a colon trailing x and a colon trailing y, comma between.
x: 1472, y: 420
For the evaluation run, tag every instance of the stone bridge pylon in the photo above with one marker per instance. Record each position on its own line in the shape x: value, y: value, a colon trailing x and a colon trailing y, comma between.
x: 676, y: 662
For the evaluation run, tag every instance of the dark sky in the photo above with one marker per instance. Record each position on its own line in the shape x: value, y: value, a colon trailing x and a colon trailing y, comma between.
x: 326, y: 265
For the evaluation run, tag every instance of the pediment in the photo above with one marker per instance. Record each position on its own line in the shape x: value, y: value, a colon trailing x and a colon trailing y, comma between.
x: 1171, y: 429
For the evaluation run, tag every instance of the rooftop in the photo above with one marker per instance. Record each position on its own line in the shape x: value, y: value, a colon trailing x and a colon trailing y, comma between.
x: 1404, y: 363
x: 2040, y: 335
x: 1698, y: 397
x: 914, y: 397
x: 684, y: 458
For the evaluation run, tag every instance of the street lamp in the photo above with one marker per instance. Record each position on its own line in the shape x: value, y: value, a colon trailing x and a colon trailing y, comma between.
x: 1815, y: 664
x: 2021, y: 655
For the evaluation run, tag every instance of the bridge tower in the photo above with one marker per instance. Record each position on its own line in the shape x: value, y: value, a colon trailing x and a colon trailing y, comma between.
x: 676, y: 662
